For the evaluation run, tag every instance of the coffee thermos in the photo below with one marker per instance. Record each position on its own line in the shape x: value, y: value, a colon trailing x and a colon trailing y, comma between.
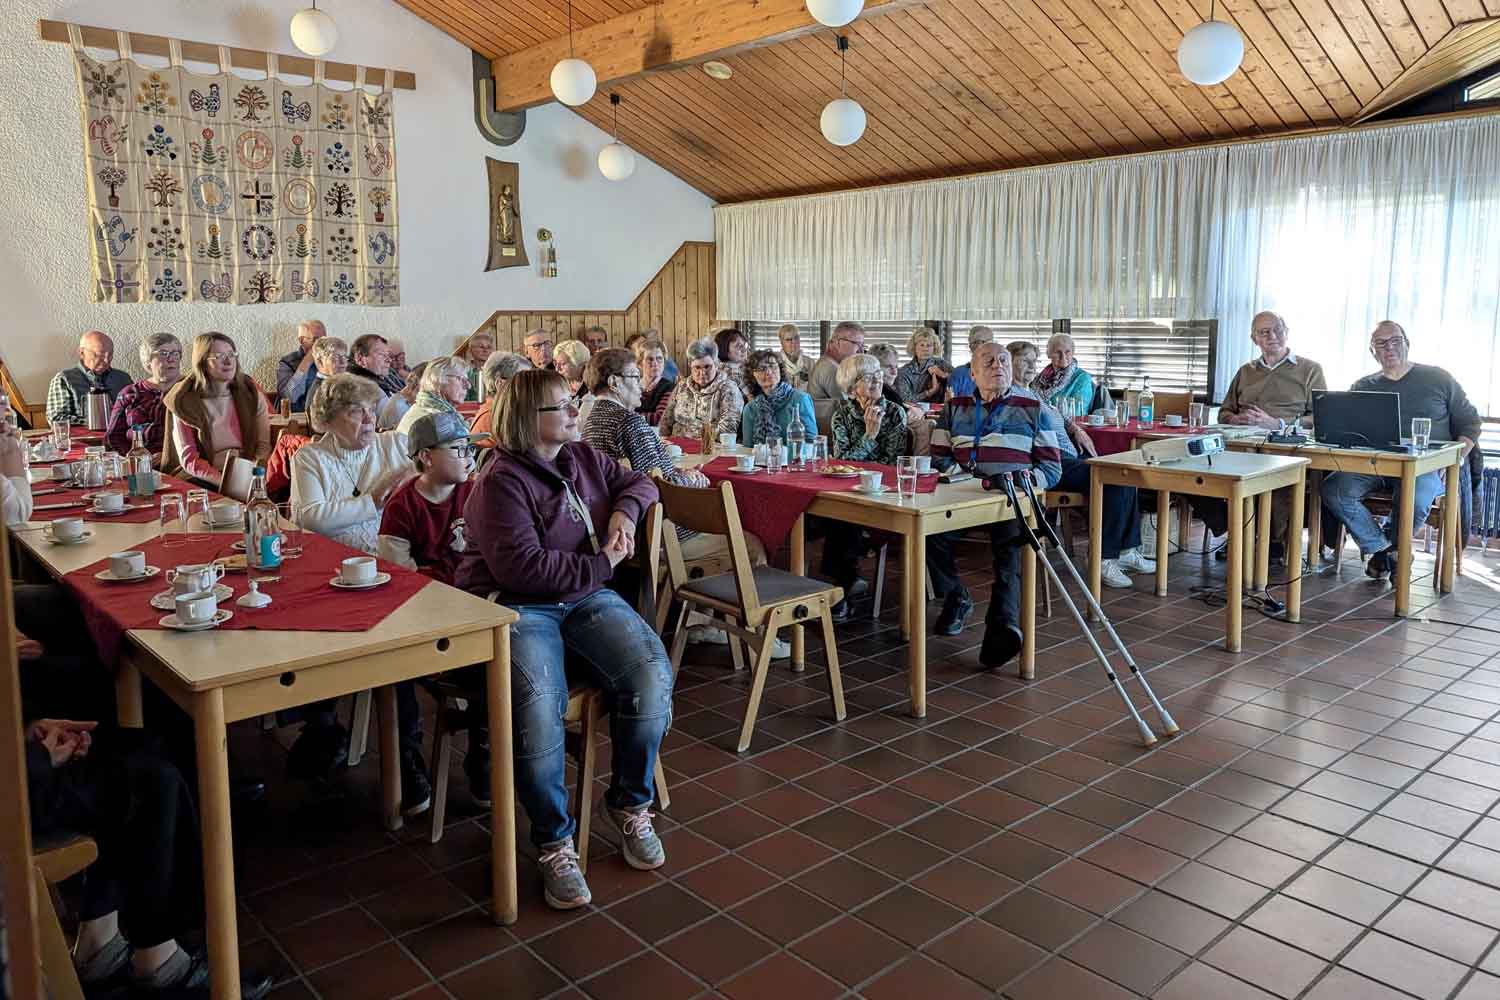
x: 97, y: 408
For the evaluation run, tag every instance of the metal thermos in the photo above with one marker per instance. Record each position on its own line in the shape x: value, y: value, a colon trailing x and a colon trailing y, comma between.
x: 98, y: 409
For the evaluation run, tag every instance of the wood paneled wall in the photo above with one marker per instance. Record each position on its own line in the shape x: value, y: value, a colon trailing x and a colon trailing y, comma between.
x: 679, y: 302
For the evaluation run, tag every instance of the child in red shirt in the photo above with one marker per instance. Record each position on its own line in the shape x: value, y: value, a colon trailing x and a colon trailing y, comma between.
x: 422, y: 527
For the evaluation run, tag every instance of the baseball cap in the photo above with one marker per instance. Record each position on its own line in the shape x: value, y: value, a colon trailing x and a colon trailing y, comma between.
x: 433, y: 429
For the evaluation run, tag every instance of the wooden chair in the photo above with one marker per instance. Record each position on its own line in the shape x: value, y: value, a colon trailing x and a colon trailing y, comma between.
x: 753, y: 602
x: 1172, y: 404
x: 53, y: 863
x: 35, y: 414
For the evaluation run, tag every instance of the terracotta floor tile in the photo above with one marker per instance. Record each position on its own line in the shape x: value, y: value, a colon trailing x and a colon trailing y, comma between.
x: 1172, y: 922
x: 1264, y: 961
x: 1481, y: 987
x: 1015, y: 856
x: 850, y: 950
x: 1135, y: 859
x: 327, y: 939
x: 1458, y: 939
x: 911, y: 916
x: 786, y: 853
x: 1211, y: 889
x: 417, y: 904
x: 964, y: 884
x: 734, y: 827
x: 1135, y: 962
x: 716, y: 949
x: 1378, y: 868
x: 1173, y: 834
x: 985, y: 953
x: 845, y: 882
x: 1341, y: 984
x: 785, y: 913
x: 458, y: 941
x: 921, y: 977
x: 1473, y: 862
x: 1287, y: 836
x: 778, y: 978
x: 1204, y: 982
x: 1339, y: 894
x: 1460, y: 896
x: 1039, y: 918
x: 387, y: 971
x: 658, y: 912
x: 890, y: 806
x: 1252, y: 862
x: 726, y: 881
x: 899, y: 854
x: 1061, y: 978
x: 1311, y: 929
x: 1325, y: 814
x: 1404, y: 966
x: 1061, y: 831
x: 648, y: 976
x: 952, y: 831
x: 1087, y: 886
x: 788, y: 804
x: 583, y: 948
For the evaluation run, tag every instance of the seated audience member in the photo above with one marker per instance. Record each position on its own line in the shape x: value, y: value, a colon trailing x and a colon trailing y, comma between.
x: 889, y: 363
x: 961, y: 382
x: 330, y: 357
x: 1023, y: 358
x: 68, y: 392
x: 706, y: 397
x: 847, y: 338
x: 140, y: 403
x: 395, y: 406
x: 370, y: 359
x: 498, y: 371
x: 669, y: 370
x: 474, y: 350
x: 656, y: 384
x: 596, y: 339
x: 548, y: 522
x: 998, y: 428
x: 1425, y: 391
x: 1120, y: 527
x: 791, y: 353
x: 923, y: 379
x: 217, y: 413
x: 294, y: 372
x: 395, y: 379
x: 15, y: 487
x: 444, y: 383
x: 771, y: 399
x: 279, y: 465
x: 538, y: 349
x: 733, y: 350
x: 570, y: 358
x: 1063, y: 378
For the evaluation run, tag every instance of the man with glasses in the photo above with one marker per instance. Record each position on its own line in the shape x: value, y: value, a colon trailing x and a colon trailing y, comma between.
x: 848, y: 339
x: 538, y: 349
x: 67, y: 393
x: 372, y: 361
x: 298, y: 364
x: 1425, y: 391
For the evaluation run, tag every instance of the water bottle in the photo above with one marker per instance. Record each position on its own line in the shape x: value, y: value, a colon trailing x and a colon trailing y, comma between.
x: 1146, y: 405
x: 796, y: 441
x: 262, y: 526
x: 138, y: 464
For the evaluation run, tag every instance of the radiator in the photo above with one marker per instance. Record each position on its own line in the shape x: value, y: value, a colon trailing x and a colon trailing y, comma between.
x: 1486, y: 514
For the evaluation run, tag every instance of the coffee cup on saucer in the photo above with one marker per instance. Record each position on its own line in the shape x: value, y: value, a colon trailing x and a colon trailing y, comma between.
x: 67, y: 529
x: 728, y: 441
x: 124, y: 565
x: 224, y: 512
x: 744, y: 463
x: 109, y: 503
x: 869, y: 481
x: 357, y: 571
x: 1172, y: 420
x: 924, y: 464
x: 197, y: 607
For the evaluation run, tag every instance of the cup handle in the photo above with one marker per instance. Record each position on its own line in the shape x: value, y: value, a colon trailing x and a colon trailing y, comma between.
x: 171, y: 576
x: 218, y: 572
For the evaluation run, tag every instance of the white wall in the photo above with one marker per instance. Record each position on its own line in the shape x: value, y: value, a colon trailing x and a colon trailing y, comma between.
x: 611, y: 238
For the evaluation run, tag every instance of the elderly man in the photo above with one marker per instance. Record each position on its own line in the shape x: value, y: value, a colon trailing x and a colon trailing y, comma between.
x: 848, y: 339
x: 370, y: 358
x: 538, y: 348
x: 999, y: 428
x: 395, y: 378
x: 597, y: 339
x: 1425, y: 391
x: 295, y: 372
x: 67, y: 393
x: 961, y: 382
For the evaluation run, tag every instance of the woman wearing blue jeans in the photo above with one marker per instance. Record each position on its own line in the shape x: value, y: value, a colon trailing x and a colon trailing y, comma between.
x: 547, y: 523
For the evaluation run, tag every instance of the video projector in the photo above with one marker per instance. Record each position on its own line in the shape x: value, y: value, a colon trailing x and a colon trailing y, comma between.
x: 1170, y: 450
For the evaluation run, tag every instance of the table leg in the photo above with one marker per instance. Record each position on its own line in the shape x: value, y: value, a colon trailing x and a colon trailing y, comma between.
x: 1163, y: 538
x: 390, y: 758
x: 1453, y: 532
x: 211, y: 736
x: 1234, y: 568
x: 503, y: 903
x: 798, y: 559
x: 1314, y: 521
x: 1404, y: 515
x: 1263, y: 540
x: 1096, y: 531
x: 1293, y: 554
x: 1028, y: 612
x: 914, y: 581
x: 128, y: 707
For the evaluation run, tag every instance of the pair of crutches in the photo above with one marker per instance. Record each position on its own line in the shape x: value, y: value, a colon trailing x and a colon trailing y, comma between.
x: 1007, y: 482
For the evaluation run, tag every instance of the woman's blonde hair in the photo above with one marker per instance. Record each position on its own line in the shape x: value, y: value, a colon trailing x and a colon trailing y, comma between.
x: 339, y: 392
x: 575, y: 352
x: 515, y: 421
x: 198, y: 379
x: 918, y: 334
x: 441, y: 368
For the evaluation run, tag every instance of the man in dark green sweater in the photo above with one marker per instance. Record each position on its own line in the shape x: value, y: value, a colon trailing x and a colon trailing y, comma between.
x: 1425, y: 391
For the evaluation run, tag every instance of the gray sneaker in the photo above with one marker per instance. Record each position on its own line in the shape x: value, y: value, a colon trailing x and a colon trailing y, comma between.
x: 562, y: 881
x: 638, y: 839
x: 104, y: 964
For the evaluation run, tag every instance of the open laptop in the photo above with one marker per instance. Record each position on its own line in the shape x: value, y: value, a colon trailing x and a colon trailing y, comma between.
x: 1358, y: 420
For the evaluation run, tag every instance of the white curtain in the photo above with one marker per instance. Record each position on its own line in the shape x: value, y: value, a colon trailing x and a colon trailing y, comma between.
x: 1336, y: 232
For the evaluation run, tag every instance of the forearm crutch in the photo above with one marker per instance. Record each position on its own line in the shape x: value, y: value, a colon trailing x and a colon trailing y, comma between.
x: 1007, y: 483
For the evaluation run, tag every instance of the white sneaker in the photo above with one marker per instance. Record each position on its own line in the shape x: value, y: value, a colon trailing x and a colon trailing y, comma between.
x: 1111, y: 574
x: 1134, y: 562
x: 708, y: 634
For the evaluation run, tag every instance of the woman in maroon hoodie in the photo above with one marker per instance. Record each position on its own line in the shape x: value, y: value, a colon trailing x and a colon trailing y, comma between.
x: 548, y: 522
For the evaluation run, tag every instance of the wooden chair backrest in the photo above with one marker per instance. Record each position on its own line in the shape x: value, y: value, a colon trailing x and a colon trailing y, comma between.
x: 35, y: 414
x: 1172, y: 403
x: 709, y: 511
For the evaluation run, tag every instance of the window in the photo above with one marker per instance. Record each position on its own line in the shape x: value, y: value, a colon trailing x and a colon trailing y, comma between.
x: 1005, y: 331
x: 1177, y: 355
x: 762, y: 334
x: 894, y: 332
x: 1487, y: 89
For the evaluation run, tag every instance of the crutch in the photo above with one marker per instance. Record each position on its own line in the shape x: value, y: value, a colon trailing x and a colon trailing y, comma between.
x: 1006, y: 481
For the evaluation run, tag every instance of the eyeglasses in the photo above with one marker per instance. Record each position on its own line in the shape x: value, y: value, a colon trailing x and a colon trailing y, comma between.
x: 634, y: 375
x: 461, y: 450
x: 167, y: 355
x: 539, y: 344
x: 569, y: 406
x: 219, y: 358
x: 871, y: 379
x: 1380, y: 345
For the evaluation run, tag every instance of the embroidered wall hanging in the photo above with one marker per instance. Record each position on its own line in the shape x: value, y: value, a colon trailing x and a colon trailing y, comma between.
x: 223, y: 189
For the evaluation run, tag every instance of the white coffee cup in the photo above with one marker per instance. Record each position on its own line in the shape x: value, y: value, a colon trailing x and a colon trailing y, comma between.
x: 1172, y: 420
x: 195, y: 577
x: 62, y: 470
x: 224, y: 512
x: 1096, y: 420
x: 675, y: 450
x: 744, y: 463
x: 109, y: 502
x: 728, y: 441
x: 196, y: 607
x: 870, y: 480
x: 127, y: 564
x: 358, y: 569
x: 924, y: 464
x: 68, y: 528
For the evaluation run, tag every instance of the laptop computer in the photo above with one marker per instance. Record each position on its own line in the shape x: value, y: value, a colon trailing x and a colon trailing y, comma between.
x: 1358, y: 420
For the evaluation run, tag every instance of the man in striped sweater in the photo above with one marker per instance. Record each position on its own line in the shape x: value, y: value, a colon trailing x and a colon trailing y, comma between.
x: 999, y: 428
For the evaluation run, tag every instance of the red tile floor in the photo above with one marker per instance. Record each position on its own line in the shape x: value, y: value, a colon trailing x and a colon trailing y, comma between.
x: 1324, y: 828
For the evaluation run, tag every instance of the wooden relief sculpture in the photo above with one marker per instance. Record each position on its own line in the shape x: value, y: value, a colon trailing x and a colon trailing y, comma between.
x: 507, y: 244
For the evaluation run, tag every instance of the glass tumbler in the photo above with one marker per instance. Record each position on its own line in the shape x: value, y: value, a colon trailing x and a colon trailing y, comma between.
x: 62, y: 436
x: 291, y: 532
x: 196, y: 506
x: 773, y: 455
x: 173, y: 520
x: 906, y: 476
x: 1421, y: 432
x: 1197, y: 415
x: 820, y: 452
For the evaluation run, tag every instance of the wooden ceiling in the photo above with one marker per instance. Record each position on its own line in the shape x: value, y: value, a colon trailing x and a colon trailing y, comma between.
x: 961, y: 86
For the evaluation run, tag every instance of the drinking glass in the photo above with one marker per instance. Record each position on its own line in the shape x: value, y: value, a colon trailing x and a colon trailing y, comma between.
x: 197, y: 506
x: 1122, y: 414
x: 1197, y: 415
x: 1421, y: 432
x: 906, y: 476
x: 291, y: 532
x: 62, y: 436
x: 820, y: 452
x: 773, y: 455
x: 173, y: 520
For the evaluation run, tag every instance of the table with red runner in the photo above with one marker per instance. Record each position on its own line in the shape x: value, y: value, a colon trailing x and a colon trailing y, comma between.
x: 689, y: 446
x: 303, y: 598
x: 770, y: 505
x: 1111, y: 440
x: 146, y: 509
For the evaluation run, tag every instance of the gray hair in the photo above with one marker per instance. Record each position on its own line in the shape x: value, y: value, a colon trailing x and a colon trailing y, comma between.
x: 396, y: 344
x: 574, y: 352
x: 502, y: 365
x: 918, y: 334
x: 980, y: 335
x: 847, y: 324
x: 325, y: 347
x: 885, y: 354
x: 1058, y: 339
x: 154, y: 343
x: 339, y: 393
x: 854, y: 368
x: 1281, y: 323
x: 441, y: 368
x: 703, y: 348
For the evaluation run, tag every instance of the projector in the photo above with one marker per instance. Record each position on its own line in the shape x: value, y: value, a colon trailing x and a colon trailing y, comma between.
x: 1176, y: 449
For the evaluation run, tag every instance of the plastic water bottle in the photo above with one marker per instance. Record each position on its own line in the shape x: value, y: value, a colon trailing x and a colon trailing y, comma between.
x: 1146, y: 406
x: 262, y: 526
x: 796, y: 442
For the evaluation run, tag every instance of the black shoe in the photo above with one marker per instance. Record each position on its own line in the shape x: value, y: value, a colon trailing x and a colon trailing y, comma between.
x: 321, y: 749
x: 1001, y: 644
x: 1379, y: 564
x: 858, y: 587
x: 839, y: 612
x: 477, y: 768
x: 416, y: 790
x: 246, y: 790
x: 185, y: 975
x: 956, y: 610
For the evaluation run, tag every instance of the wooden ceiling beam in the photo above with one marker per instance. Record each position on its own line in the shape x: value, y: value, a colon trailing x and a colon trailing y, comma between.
x: 665, y: 36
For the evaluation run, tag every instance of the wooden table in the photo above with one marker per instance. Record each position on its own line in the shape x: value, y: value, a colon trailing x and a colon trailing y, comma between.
x: 1236, y: 477
x: 219, y: 677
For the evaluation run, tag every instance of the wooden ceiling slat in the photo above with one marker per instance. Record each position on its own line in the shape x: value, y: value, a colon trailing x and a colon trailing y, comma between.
x: 1399, y: 28
x: 1236, y: 99
x: 1256, y: 86
x: 1368, y: 37
x: 439, y: 17
x: 668, y: 151
x: 1460, y: 11
x: 1307, y: 49
x: 1284, y: 62
x: 512, y: 28
x: 1431, y: 19
x: 1341, y: 48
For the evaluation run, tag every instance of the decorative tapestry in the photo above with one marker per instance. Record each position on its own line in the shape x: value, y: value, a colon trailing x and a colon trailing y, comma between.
x: 223, y: 189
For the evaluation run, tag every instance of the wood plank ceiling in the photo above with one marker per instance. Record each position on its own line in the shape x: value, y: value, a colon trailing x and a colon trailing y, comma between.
x: 961, y: 86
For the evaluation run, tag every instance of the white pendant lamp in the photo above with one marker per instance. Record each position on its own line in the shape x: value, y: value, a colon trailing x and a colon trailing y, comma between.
x: 573, y: 80
x: 1210, y: 53
x: 835, y: 13
x: 617, y: 160
x: 843, y: 120
x: 313, y: 31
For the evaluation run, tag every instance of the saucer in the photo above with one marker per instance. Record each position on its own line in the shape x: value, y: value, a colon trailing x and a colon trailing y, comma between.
x: 53, y: 539
x: 220, y: 617
x: 379, y: 579
x: 164, y: 601
x: 877, y: 491
x: 108, y: 575
x: 744, y: 472
x: 108, y: 513
x: 842, y: 475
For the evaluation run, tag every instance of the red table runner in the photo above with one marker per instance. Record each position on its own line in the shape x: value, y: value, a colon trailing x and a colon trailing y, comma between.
x: 689, y: 446
x: 770, y: 505
x: 148, y: 507
x: 1111, y: 440
x: 303, y: 598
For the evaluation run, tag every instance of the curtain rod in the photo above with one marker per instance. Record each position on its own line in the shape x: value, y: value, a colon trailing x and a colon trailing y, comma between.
x: 160, y: 45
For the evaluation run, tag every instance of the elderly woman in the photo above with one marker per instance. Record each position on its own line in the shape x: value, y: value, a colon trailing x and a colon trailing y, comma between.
x: 633, y: 343
x: 395, y: 406
x: 330, y: 357
x: 790, y: 339
x: 923, y: 379
x: 474, y: 351
x: 1062, y: 378
x: 707, y: 397
x: 140, y: 404
x: 571, y: 357
x: 548, y: 522
x: 1023, y: 358
x: 498, y: 371
x: 772, y: 400
x: 444, y: 383
x: 218, y: 413
x: 733, y: 350
x: 656, y: 384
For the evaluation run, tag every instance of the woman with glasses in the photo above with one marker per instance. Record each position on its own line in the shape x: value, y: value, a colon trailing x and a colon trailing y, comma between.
x: 140, y: 404
x: 656, y: 382
x: 706, y: 397
x: 444, y: 384
x: 330, y: 357
x: 548, y: 522
x: 773, y: 400
x: 218, y: 413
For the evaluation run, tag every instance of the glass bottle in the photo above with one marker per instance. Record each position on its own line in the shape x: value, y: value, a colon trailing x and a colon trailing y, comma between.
x: 262, y: 526
x: 796, y: 441
x: 1146, y: 406
x: 138, y: 464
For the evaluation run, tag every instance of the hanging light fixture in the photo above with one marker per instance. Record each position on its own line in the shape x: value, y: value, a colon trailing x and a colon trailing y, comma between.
x: 843, y: 120
x: 573, y: 80
x: 835, y: 13
x: 313, y: 31
x: 1210, y: 53
x: 617, y: 160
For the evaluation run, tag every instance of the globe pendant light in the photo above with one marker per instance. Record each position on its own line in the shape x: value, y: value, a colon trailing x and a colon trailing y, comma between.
x: 573, y: 80
x: 835, y: 13
x: 617, y: 160
x: 1210, y: 53
x: 843, y: 120
x: 313, y: 31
